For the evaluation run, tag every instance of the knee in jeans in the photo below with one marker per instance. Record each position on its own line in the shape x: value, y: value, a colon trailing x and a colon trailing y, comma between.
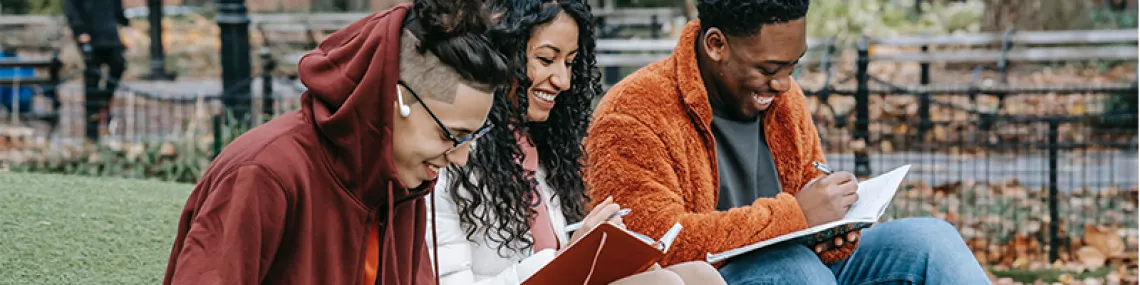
x: 927, y: 226
x: 781, y: 264
x: 790, y: 278
x: 920, y: 232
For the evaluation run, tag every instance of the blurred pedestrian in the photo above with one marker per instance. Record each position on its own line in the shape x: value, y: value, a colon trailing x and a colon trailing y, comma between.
x: 95, y: 25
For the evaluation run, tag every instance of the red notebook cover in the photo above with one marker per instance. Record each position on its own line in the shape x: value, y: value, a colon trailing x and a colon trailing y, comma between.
x: 605, y: 255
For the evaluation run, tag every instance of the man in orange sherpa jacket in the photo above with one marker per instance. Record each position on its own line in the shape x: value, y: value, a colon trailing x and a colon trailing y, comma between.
x: 716, y: 137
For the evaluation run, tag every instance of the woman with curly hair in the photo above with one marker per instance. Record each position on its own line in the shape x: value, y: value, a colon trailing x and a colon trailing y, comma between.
x: 508, y: 219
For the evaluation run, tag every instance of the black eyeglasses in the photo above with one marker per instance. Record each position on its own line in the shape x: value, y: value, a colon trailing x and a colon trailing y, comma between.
x: 456, y: 141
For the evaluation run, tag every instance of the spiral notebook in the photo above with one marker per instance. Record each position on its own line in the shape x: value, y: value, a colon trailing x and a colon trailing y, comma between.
x: 875, y: 195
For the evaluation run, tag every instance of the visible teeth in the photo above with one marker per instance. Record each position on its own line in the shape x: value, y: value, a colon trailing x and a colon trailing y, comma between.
x: 762, y: 100
x: 433, y: 168
x: 544, y: 96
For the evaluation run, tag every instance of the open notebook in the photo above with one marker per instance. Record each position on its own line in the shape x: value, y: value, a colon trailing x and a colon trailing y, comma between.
x: 875, y: 195
x: 606, y: 254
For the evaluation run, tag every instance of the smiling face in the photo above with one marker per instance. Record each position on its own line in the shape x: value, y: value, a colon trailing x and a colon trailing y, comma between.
x: 423, y: 147
x: 550, y: 54
x: 748, y: 72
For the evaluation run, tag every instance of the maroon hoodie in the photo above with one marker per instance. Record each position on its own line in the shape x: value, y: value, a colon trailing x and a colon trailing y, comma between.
x: 292, y: 201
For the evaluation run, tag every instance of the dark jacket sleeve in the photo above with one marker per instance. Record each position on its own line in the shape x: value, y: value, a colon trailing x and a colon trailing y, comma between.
x: 234, y: 233
x: 120, y: 15
x: 75, y: 16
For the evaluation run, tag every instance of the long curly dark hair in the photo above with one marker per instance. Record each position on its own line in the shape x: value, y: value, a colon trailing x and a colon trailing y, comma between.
x: 492, y: 192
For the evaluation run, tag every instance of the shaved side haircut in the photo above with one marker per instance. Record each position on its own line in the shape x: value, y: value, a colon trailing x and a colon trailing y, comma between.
x: 426, y: 75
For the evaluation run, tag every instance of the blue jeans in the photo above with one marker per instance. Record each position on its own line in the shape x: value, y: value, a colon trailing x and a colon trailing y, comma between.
x: 905, y: 251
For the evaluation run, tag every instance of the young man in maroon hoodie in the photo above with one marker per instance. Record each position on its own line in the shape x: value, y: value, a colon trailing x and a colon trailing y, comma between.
x: 331, y: 194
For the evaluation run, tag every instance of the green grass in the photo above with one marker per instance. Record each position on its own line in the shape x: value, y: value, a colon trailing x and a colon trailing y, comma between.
x: 57, y: 229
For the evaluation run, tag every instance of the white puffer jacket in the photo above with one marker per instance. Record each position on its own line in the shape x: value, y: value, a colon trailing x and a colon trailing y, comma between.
x: 463, y: 262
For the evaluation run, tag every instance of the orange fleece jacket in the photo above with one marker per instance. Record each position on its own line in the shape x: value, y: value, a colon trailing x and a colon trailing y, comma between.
x: 651, y: 148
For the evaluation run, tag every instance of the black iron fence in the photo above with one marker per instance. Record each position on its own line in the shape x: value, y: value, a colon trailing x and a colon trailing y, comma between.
x: 1026, y: 168
x: 1023, y: 169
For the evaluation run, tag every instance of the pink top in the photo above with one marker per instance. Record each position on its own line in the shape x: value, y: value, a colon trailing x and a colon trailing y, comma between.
x: 540, y: 227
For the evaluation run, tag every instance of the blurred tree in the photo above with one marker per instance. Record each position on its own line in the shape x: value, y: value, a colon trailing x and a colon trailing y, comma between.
x: 48, y: 7
x: 14, y: 6
x: 1036, y: 15
x: 849, y: 19
x: 1059, y: 15
x: 1114, y: 14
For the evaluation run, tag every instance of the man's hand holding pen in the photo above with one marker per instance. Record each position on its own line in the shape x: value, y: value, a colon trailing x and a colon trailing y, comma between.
x: 827, y: 198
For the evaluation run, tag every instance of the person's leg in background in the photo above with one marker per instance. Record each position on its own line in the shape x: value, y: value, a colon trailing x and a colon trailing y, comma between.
x: 911, y: 251
x: 787, y: 263
x: 92, y: 94
x: 116, y: 64
x: 98, y: 100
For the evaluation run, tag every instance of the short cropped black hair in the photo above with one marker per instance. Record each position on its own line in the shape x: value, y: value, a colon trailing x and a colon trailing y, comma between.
x: 745, y: 17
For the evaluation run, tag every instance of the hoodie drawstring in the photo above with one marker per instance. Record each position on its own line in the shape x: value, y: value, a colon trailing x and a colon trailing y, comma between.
x: 434, y: 233
x: 387, y: 228
x: 434, y: 240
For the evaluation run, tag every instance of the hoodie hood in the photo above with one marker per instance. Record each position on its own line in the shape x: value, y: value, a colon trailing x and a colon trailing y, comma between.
x: 352, y: 77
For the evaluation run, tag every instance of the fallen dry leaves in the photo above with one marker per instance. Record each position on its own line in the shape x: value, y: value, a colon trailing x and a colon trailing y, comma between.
x: 1006, y: 226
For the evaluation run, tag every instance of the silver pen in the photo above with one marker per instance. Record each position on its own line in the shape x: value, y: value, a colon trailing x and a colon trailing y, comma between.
x: 578, y: 225
x: 822, y: 167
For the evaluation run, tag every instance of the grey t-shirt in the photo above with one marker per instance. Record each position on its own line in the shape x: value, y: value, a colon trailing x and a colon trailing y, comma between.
x: 747, y: 171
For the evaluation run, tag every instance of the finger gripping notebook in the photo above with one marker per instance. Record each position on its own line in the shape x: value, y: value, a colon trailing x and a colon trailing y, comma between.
x: 606, y: 254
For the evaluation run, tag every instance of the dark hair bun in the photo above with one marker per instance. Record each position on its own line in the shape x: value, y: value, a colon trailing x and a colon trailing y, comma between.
x: 452, y: 17
x: 454, y: 30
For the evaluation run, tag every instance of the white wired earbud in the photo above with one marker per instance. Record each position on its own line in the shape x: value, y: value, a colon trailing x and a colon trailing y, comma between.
x: 405, y: 111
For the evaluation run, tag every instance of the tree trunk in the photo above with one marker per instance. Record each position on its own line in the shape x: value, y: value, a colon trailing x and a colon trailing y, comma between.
x: 690, y: 9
